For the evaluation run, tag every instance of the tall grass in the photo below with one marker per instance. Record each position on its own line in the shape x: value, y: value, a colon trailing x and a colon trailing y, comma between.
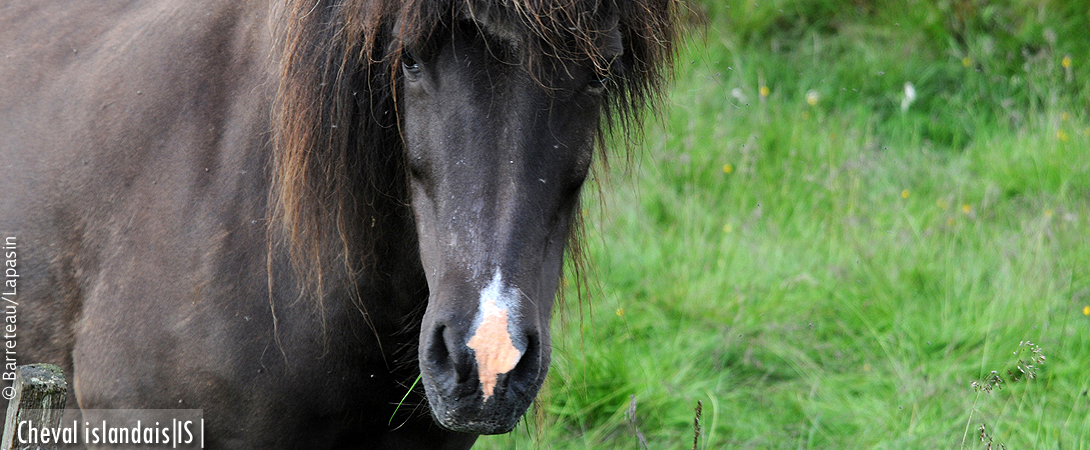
x: 826, y: 264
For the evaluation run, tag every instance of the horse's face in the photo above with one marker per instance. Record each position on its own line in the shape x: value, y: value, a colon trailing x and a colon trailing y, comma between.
x: 497, y: 158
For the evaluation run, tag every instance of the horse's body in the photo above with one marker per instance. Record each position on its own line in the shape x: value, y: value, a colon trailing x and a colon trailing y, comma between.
x: 174, y: 252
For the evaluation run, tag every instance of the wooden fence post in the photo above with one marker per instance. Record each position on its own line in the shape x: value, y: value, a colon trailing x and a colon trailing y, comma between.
x: 40, y: 393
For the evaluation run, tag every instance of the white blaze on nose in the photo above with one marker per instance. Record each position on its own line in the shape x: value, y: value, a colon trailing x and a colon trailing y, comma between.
x: 491, y: 342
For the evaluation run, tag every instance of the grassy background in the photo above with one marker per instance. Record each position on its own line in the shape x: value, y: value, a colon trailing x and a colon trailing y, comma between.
x: 824, y: 264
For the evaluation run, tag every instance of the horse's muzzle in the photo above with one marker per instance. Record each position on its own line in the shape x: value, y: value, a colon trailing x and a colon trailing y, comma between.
x: 480, y: 377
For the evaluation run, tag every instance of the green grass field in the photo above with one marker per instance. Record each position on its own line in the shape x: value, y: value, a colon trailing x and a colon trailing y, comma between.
x: 823, y: 263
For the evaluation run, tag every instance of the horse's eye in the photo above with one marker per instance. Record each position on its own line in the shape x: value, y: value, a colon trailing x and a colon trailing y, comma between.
x: 409, y: 64
x: 597, y: 86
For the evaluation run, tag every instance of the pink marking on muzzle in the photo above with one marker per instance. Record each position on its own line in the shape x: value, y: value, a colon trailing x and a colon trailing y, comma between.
x: 491, y: 342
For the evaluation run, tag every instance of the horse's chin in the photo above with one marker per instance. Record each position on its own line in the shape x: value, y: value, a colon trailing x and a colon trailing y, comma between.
x: 469, y: 412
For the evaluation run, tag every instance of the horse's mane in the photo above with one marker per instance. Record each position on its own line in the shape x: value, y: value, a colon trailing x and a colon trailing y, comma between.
x: 336, y: 137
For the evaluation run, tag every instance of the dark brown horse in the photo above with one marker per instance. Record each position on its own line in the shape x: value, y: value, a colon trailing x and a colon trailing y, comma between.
x: 283, y: 214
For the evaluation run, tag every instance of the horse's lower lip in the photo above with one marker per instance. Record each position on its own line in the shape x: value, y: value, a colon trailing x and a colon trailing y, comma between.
x: 462, y: 408
x: 479, y: 427
x: 465, y: 422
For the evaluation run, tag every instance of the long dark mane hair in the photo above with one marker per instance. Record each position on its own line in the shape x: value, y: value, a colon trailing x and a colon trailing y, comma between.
x: 337, y: 166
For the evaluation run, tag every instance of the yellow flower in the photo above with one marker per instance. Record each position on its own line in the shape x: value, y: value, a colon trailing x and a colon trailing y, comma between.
x: 1062, y: 135
x: 727, y: 228
x: 764, y: 91
x: 620, y: 312
x: 727, y: 168
x: 1048, y: 213
x: 1086, y: 310
x: 966, y: 61
x: 966, y: 208
x: 1066, y: 62
x: 812, y: 97
x: 904, y: 193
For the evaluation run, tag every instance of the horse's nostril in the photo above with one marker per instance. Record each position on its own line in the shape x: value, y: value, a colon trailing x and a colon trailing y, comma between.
x: 444, y: 356
x: 438, y: 353
x: 528, y: 366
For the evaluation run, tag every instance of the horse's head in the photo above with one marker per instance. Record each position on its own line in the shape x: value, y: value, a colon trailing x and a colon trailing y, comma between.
x: 498, y: 148
x: 497, y: 107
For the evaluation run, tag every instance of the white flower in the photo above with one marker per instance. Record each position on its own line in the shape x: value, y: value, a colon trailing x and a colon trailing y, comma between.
x: 910, y: 96
x: 738, y: 94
